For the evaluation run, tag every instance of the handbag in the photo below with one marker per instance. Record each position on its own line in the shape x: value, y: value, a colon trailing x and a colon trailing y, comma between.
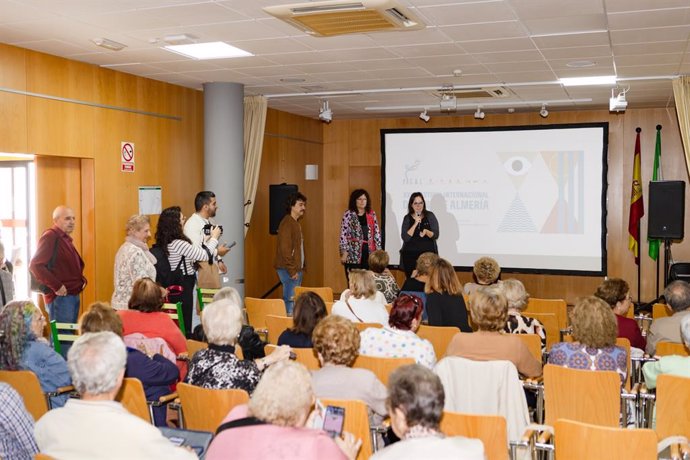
x: 208, y: 274
x: 251, y: 344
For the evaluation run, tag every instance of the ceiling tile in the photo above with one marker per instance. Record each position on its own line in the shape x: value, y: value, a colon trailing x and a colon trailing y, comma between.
x: 617, y: 6
x: 646, y: 71
x: 540, y: 9
x: 649, y: 59
x: 572, y: 40
x: 526, y: 66
x: 657, y: 34
x: 468, y: 13
x: 437, y: 49
x: 521, y: 77
x: 495, y: 30
x: 513, y: 56
x: 584, y: 52
x: 490, y: 46
x: 428, y: 35
x: 647, y: 19
x: 566, y: 24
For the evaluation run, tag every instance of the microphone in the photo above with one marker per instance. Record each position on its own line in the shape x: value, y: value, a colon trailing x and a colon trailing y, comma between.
x: 418, y: 214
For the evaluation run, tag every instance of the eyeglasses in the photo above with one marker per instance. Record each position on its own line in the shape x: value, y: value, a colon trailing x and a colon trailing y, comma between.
x: 416, y: 203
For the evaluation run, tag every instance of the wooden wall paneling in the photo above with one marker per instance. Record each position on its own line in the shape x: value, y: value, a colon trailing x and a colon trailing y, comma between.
x: 13, y: 137
x: 88, y: 227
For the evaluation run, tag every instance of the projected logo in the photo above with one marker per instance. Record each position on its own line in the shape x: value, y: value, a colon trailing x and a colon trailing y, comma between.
x: 565, y: 171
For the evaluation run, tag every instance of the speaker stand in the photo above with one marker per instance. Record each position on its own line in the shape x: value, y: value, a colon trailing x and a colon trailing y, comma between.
x: 667, y: 260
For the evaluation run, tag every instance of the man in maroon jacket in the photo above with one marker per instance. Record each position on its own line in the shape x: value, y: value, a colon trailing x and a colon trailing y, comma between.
x: 58, y: 266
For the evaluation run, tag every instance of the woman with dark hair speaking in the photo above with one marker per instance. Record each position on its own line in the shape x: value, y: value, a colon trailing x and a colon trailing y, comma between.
x: 419, y: 232
x: 359, y: 232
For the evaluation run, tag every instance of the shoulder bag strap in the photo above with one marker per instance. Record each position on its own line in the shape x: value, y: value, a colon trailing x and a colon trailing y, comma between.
x: 352, y: 311
x: 239, y: 423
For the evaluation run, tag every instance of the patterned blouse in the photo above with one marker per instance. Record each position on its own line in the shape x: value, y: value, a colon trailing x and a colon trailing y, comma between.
x: 386, y: 285
x: 518, y: 324
x: 351, y: 236
x: 217, y: 367
x: 578, y: 356
x: 131, y: 264
x: 387, y: 342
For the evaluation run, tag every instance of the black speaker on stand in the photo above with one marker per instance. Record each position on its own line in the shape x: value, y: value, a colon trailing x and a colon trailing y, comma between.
x: 666, y: 215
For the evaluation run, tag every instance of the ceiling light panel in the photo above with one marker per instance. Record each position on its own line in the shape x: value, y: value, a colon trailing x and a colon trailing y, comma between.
x: 210, y: 50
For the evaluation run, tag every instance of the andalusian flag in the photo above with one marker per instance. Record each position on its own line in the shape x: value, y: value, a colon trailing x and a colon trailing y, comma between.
x: 656, y: 175
x: 636, y: 204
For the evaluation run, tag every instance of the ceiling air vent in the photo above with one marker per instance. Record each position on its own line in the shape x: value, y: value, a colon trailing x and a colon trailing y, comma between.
x: 477, y: 93
x: 330, y: 18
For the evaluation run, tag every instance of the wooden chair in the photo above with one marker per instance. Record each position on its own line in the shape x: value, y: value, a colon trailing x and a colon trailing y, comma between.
x: 362, y: 326
x: 329, y: 307
x: 63, y: 332
x: 40, y: 456
x: 326, y: 293
x: 625, y: 343
x: 204, y: 296
x: 439, y: 336
x: 490, y: 429
x: 577, y: 441
x: 133, y: 398
x: 672, y: 403
x: 174, y: 311
x: 258, y: 309
x: 29, y: 388
x: 276, y: 325
x: 556, y: 306
x: 661, y: 310
x: 193, y: 346
x: 670, y: 348
x: 356, y: 422
x: 533, y: 342
x: 305, y: 356
x: 582, y: 395
x: 550, y: 323
x: 204, y: 409
x: 382, y: 367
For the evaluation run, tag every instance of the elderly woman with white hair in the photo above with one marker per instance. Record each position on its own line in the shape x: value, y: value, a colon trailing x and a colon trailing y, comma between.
x: 517, y: 298
x: 217, y: 367
x: 672, y: 364
x: 133, y: 260
x: 362, y: 303
x: 272, y: 425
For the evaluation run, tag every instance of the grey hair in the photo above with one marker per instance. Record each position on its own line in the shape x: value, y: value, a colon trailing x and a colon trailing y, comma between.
x: 677, y: 295
x: 228, y: 292
x: 284, y: 394
x: 95, y: 362
x: 418, y: 393
x: 222, y: 321
x: 136, y: 223
x: 515, y: 293
x: 685, y: 330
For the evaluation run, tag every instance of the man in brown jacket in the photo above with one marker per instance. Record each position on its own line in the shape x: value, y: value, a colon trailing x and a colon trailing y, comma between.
x: 289, y: 260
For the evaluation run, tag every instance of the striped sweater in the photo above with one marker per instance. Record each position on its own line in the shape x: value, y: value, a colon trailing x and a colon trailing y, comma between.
x: 180, y: 248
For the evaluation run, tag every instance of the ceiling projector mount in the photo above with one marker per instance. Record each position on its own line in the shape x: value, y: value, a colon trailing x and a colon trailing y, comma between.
x: 618, y: 103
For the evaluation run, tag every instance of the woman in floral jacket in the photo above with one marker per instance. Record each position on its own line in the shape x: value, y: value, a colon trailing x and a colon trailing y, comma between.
x: 132, y: 261
x: 359, y: 232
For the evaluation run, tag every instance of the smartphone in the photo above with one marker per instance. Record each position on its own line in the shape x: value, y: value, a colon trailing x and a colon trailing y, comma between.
x: 333, y: 420
x: 232, y: 245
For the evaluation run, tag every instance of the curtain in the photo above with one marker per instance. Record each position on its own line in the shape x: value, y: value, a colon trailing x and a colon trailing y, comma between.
x: 254, y: 125
x: 681, y: 93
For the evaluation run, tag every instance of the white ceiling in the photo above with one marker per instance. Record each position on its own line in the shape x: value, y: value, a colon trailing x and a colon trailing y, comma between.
x: 509, y: 43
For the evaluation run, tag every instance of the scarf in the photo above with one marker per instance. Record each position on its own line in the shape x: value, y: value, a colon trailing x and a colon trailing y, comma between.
x: 143, y: 246
x: 419, y: 431
x: 370, y: 224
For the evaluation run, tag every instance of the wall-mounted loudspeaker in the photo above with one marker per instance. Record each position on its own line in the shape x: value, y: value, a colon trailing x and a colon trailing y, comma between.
x: 666, y: 210
x: 278, y: 198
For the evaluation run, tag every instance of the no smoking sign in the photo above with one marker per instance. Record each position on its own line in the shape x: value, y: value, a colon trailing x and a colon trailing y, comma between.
x: 127, y: 156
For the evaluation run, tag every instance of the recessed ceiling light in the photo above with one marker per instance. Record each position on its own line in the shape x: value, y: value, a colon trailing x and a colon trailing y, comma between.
x: 210, y: 50
x: 586, y: 81
x: 581, y: 64
x: 108, y: 44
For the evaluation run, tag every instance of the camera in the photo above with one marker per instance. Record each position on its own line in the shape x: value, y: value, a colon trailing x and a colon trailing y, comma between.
x: 208, y: 227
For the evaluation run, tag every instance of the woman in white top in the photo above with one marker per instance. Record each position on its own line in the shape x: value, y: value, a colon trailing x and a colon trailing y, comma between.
x: 133, y: 260
x: 362, y: 303
x: 183, y: 255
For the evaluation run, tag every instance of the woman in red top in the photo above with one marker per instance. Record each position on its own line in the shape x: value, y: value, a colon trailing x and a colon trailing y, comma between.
x: 616, y: 293
x: 146, y: 317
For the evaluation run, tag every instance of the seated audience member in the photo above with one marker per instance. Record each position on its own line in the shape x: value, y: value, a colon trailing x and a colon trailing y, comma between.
x: 517, y: 299
x: 96, y: 426
x: 309, y: 310
x: 594, y: 333
x: 445, y: 305
x: 485, y: 273
x: 16, y: 426
x: 415, y: 405
x: 673, y: 364
x: 362, y: 303
x: 145, y: 316
x: 272, y: 425
x: 156, y: 372
x: 23, y: 348
x: 6, y: 278
x: 398, y: 339
x: 336, y: 342
x: 489, y: 310
x: 677, y: 295
x: 385, y: 283
x: 415, y: 284
x: 217, y: 367
x: 616, y: 293
x: 228, y: 292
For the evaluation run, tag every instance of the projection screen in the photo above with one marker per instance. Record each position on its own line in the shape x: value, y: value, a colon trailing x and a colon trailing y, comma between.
x: 533, y: 198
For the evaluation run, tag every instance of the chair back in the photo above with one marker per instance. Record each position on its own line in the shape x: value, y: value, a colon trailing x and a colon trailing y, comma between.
x: 258, y: 309
x: 362, y: 326
x: 625, y: 343
x: 661, y: 310
x: 533, y: 342
x: 63, y: 332
x: 582, y: 395
x: 439, y: 336
x: 550, y: 323
x: 356, y: 422
x: 276, y: 325
x: 670, y: 348
x: 558, y: 307
x: 133, y: 398
x: 205, y: 296
x: 194, y: 345
x: 490, y: 429
x: 329, y: 307
x: 174, y: 311
x: 326, y: 293
x: 577, y: 441
x: 27, y: 385
x: 672, y: 403
x: 382, y: 367
x: 204, y: 409
x: 305, y: 356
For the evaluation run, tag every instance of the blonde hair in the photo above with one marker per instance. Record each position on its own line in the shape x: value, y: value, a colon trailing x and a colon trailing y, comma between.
x: 378, y: 261
x: 284, y: 395
x: 136, y: 223
x: 443, y: 279
x: 489, y: 308
x: 100, y: 317
x: 362, y: 284
x: 594, y: 324
x: 515, y: 293
x: 426, y: 262
x: 337, y: 340
x: 486, y: 270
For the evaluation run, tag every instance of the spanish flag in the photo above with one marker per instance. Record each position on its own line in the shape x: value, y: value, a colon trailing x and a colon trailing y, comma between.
x: 636, y: 203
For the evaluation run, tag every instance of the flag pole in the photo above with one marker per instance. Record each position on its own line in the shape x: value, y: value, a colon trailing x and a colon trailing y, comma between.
x: 639, y: 220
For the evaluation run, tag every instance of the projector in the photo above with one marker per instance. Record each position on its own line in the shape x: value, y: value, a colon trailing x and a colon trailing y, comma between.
x: 448, y: 103
x: 618, y: 103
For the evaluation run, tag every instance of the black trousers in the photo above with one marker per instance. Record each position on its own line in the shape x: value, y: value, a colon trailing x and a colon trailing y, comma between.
x: 187, y: 299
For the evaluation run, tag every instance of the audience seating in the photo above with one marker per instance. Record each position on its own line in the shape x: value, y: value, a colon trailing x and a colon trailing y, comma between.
x: 356, y: 422
x: 382, y: 367
x: 362, y: 326
x: 490, y: 429
x: 661, y: 310
x: 439, y: 336
x: 326, y: 293
x: 672, y: 406
x: 533, y: 342
x: 63, y: 332
x: 193, y: 346
x: 204, y: 296
x: 550, y: 323
x: 133, y: 398
x: 204, y: 409
x: 625, y: 343
x: 305, y: 356
x: 329, y: 307
x: 276, y: 325
x: 174, y: 311
x: 556, y: 306
x: 578, y: 441
x: 258, y: 309
x: 670, y: 348
x: 29, y: 388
